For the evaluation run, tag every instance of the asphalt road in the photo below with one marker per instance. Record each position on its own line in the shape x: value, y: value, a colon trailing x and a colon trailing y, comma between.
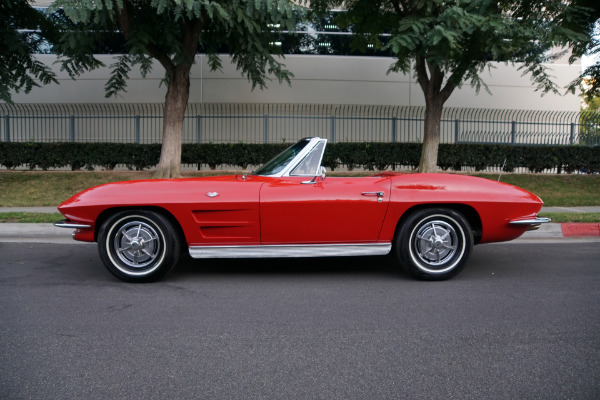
x: 521, y: 322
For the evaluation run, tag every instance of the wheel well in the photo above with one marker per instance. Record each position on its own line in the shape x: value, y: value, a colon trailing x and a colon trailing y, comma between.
x: 106, y: 214
x: 467, y: 211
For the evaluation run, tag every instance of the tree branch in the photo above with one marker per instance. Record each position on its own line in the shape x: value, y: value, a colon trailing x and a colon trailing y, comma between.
x: 436, y: 78
x: 125, y: 25
x: 191, y: 33
x: 457, y: 76
x: 447, y: 90
x: 422, y: 77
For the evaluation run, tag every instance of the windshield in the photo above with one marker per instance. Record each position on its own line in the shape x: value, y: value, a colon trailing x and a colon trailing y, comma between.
x: 280, y: 161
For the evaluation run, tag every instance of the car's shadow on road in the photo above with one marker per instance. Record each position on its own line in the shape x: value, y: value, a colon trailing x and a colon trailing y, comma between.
x: 79, y: 264
x: 483, y: 263
x: 384, y: 266
x: 368, y: 267
x: 82, y: 263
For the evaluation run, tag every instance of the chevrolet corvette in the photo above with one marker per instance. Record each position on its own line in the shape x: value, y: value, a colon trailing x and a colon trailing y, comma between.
x: 290, y: 208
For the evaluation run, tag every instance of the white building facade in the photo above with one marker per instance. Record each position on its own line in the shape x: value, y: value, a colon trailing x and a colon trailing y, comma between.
x: 318, y: 79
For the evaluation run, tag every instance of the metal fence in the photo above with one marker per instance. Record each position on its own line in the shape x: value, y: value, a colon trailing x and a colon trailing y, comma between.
x: 272, y: 123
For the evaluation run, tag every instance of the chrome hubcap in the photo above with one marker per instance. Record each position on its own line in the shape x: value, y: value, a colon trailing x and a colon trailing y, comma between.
x: 435, y: 243
x: 136, y: 244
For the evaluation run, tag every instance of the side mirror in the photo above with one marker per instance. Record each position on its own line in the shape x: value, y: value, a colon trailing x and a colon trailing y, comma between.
x: 322, y: 173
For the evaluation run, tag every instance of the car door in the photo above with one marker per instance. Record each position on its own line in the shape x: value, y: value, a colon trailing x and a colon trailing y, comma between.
x: 330, y: 210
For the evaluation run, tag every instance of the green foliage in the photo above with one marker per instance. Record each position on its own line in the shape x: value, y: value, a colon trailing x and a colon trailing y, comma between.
x: 78, y: 155
x: 589, y: 27
x: 449, y: 43
x: 172, y: 32
x: 593, y: 104
x: 589, y: 122
x: 458, y: 39
x: 27, y: 217
x: 370, y: 156
x: 20, y: 71
x: 239, y: 154
x: 572, y: 217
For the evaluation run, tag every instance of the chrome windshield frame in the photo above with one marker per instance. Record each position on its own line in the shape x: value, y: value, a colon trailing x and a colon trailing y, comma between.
x: 313, y: 142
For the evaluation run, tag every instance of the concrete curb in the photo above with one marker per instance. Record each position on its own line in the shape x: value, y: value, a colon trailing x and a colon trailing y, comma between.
x: 34, y: 233
x: 550, y: 230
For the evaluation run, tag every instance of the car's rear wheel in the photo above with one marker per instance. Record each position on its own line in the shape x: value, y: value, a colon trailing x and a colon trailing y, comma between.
x: 138, y: 245
x: 434, y: 243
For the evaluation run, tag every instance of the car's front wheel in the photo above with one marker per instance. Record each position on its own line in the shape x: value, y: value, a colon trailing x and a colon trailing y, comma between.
x: 434, y: 243
x: 138, y: 245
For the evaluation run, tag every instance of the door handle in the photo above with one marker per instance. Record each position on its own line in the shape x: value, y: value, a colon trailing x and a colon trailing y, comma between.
x: 378, y: 194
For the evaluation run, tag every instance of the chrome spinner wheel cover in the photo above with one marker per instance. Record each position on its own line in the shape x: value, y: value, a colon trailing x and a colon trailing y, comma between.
x: 435, y: 243
x: 137, y: 245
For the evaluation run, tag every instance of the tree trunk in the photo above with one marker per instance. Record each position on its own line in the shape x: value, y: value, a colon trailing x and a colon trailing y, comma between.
x: 176, y: 102
x: 431, y: 137
x: 436, y: 95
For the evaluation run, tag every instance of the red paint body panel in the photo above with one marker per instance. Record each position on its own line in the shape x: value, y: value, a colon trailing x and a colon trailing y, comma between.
x: 232, y: 217
x: 495, y: 203
x: 329, y: 211
x: 267, y: 210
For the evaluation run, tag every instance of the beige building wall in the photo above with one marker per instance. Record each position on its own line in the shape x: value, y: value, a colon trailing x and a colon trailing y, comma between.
x: 317, y: 80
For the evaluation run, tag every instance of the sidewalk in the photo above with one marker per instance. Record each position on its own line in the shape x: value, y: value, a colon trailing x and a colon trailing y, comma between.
x: 48, y: 233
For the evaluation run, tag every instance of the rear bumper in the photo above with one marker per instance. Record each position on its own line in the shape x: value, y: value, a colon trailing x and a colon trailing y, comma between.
x: 533, y: 223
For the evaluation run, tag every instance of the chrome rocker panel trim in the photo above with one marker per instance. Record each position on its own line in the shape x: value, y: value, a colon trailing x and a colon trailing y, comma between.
x: 290, y: 251
x: 533, y: 223
x: 67, y: 224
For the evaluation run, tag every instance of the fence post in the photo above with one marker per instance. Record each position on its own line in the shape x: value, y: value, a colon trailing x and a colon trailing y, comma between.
x: 137, y: 128
x: 513, y: 132
x: 456, y: 131
x: 394, y: 133
x: 6, y: 128
x: 332, y: 129
x: 572, y: 140
x: 266, y: 129
x: 72, y: 128
x: 198, y: 128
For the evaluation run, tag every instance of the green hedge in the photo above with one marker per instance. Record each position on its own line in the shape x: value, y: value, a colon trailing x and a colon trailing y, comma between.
x: 372, y: 156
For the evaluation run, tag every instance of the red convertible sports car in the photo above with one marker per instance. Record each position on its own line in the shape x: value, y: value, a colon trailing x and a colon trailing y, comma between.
x: 288, y: 208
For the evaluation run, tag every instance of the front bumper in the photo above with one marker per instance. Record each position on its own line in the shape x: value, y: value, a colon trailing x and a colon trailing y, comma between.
x: 66, y: 224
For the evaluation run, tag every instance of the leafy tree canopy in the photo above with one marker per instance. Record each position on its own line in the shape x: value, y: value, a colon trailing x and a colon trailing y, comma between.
x: 20, y: 70
x: 449, y: 42
x: 462, y: 37
x: 589, y: 80
x: 173, y: 31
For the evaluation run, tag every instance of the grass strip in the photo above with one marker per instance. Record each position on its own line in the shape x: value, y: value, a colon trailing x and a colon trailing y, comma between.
x: 572, y: 217
x: 26, y: 217
x: 50, y: 188
x: 557, y: 190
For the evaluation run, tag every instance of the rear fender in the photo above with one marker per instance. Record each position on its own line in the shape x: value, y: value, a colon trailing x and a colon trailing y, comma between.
x: 467, y: 211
